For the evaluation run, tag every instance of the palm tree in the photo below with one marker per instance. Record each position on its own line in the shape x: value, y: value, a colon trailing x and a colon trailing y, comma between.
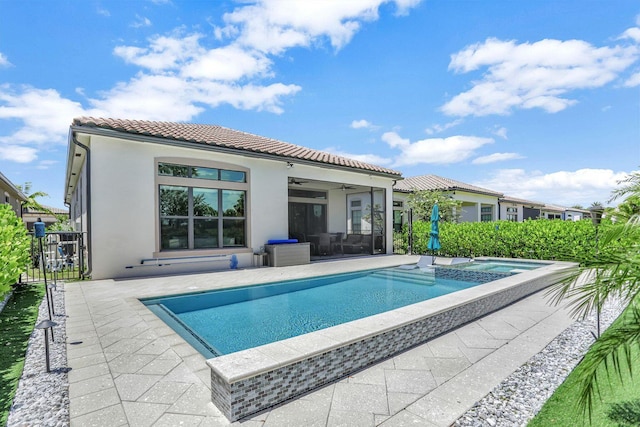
x: 613, y: 271
x: 627, y: 210
x: 32, y: 199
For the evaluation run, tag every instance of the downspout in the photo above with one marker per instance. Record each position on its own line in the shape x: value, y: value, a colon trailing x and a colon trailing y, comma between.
x: 88, y: 201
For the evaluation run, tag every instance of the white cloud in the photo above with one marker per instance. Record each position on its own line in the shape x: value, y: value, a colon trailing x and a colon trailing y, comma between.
x: 104, y: 12
x: 453, y: 149
x: 441, y: 128
x: 633, y: 81
x: 181, y: 74
x: 564, y: 188
x: 501, y: 132
x: 272, y: 26
x: 228, y: 63
x: 163, y: 53
x: 46, y: 164
x: 632, y: 33
x: 17, y: 153
x: 496, y: 157
x: 363, y: 124
x: 140, y: 22
x: 4, y: 62
x: 533, y: 75
x: 367, y: 158
x: 45, y: 115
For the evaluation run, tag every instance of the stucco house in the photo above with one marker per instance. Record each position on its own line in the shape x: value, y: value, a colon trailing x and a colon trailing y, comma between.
x: 517, y: 210
x: 50, y: 216
x: 478, y: 204
x: 11, y: 195
x: 160, y: 198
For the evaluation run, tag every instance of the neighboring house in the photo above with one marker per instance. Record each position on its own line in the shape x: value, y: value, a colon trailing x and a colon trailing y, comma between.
x: 552, y: 212
x: 568, y: 214
x: 11, y: 195
x: 478, y: 204
x: 189, y: 196
x: 518, y: 210
x: 31, y: 215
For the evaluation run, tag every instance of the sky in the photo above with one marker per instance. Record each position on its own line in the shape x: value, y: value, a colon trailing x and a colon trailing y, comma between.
x: 538, y: 100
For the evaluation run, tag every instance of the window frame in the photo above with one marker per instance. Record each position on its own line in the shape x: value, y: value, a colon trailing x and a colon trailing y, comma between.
x: 192, y: 183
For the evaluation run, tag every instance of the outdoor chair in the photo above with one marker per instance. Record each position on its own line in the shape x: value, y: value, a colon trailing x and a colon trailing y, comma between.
x: 352, y: 244
x: 337, y: 243
x: 365, y: 242
x: 324, y: 244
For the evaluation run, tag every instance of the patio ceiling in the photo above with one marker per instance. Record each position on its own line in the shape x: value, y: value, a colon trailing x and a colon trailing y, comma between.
x: 312, y: 184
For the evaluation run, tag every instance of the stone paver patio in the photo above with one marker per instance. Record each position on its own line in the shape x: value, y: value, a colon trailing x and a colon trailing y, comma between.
x: 129, y: 368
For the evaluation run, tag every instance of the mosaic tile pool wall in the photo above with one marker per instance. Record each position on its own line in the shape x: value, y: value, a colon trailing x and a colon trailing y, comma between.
x: 453, y: 273
x: 250, y: 395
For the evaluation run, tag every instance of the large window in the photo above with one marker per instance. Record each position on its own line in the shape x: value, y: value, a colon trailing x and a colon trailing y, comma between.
x: 512, y: 214
x: 201, y: 207
x: 486, y: 213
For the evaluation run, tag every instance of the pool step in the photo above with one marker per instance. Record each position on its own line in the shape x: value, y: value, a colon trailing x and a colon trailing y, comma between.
x: 411, y: 276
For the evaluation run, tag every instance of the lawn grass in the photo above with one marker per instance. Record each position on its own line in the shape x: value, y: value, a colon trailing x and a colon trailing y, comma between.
x: 16, y: 323
x: 561, y: 408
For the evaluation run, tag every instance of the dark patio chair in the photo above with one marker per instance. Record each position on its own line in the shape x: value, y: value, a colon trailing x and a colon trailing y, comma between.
x: 324, y: 244
x: 337, y: 243
x: 352, y: 244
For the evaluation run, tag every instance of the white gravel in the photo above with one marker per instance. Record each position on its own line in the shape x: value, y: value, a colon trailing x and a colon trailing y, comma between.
x: 42, y: 398
x: 517, y: 399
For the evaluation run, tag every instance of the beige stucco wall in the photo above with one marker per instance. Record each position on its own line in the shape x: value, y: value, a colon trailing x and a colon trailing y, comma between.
x: 124, y: 204
x: 505, y: 205
x: 472, y: 203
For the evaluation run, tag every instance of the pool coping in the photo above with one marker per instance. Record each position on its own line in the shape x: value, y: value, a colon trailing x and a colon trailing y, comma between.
x: 252, y: 380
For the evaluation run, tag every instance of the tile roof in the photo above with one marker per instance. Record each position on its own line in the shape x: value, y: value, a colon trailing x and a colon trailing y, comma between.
x: 510, y: 199
x: 434, y: 182
x: 218, y: 136
x: 17, y: 193
x: 55, y: 211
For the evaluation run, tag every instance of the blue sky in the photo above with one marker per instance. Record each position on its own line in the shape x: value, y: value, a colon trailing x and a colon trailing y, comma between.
x: 539, y: 100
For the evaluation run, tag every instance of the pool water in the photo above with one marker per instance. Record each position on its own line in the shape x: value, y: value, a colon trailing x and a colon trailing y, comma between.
x: 501, y: 266
x: 226, y: 321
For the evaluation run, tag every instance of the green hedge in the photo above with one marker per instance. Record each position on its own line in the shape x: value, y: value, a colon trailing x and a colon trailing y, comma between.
x: 534, y: 239
x: 14, y: 248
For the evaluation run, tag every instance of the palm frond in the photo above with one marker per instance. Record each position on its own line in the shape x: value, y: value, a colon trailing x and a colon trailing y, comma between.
x: 613, y: 352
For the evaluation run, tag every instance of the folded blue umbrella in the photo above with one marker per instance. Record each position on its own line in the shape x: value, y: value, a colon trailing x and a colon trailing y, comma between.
x: 434, y: 235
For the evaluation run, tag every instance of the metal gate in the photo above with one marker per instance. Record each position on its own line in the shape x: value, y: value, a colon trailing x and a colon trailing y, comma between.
x: 64, y: 257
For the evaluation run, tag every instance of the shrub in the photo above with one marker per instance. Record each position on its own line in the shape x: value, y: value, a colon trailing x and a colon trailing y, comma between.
x: 534, y: 239
x: 14, y: 248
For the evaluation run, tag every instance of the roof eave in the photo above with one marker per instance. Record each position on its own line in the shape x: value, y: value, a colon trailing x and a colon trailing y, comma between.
x: 93, y: 130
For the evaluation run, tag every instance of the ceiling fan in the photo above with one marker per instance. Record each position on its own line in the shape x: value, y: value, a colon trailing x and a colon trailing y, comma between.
x: 293, y: 181
x: 345, y: 187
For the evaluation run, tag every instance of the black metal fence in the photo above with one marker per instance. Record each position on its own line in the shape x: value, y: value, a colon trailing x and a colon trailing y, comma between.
x: 61, y: 253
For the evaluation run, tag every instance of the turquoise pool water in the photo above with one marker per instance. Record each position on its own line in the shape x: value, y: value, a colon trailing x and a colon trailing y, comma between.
x: 225, y: 321
x: 501, y: 266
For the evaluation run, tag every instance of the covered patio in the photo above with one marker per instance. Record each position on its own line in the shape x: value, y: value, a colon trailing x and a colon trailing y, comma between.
x: 337, y: 219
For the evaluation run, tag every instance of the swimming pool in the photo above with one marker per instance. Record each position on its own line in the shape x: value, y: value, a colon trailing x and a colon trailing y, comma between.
x: 247, y: 381
x: 227, y: 321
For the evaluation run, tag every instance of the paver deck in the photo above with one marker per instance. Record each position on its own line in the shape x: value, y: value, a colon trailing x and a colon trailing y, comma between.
x: 129, y: 369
